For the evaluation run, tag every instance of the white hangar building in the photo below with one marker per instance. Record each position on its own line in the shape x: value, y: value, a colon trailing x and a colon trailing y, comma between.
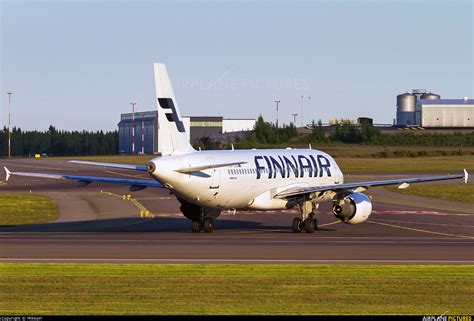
x: 445, y: 112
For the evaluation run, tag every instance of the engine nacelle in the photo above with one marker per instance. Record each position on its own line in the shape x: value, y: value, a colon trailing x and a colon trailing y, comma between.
x: 354, y: 208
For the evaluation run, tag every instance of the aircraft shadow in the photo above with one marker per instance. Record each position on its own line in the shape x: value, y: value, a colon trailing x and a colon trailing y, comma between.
x: 132, y: 224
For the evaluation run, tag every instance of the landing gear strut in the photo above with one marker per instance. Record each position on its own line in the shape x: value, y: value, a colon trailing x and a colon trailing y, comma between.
x: 308, y: 221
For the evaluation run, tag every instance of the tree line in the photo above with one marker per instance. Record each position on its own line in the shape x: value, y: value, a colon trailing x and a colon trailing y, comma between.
x: 265, y: 134
x: 55, y: 142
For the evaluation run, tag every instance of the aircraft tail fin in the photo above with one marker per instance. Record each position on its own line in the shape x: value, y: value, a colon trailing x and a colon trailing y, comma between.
x: 172, y: 136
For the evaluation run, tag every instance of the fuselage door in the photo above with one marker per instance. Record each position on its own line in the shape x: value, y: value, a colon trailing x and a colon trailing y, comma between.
x: 216, y: 175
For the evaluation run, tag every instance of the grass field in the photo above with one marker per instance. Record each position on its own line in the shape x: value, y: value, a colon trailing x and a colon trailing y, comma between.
x: 445, y: 164
x: 16, y: 209
x: 461, y: 193
x: 451, y: 164
x: 235, y: 289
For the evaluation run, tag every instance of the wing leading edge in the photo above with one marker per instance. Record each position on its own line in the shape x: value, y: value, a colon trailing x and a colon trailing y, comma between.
x: 135, y: 184
x: 362, y: 186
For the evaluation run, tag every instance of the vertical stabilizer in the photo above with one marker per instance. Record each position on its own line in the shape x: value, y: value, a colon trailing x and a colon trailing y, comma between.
x: 172, y: 136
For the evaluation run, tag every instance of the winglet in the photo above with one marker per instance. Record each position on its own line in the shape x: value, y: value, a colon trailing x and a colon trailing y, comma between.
x: 466, y: 176
x: 8, y: 173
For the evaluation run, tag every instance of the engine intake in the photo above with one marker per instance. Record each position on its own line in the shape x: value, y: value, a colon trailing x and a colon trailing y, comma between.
x: 353, y: 208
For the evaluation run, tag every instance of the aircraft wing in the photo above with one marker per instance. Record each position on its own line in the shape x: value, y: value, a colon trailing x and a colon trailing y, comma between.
x: 113, y: 165
x: 135, y: 184
x: 362, y: 186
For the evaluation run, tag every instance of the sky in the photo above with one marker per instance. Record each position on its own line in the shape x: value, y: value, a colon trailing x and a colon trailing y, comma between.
x: 78, y: 64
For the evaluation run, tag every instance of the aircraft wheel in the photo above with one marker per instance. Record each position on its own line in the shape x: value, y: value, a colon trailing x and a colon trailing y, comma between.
x: 208, y: 225
x: 296, y: 225
x: 195, y: 226
x: 309, y: 225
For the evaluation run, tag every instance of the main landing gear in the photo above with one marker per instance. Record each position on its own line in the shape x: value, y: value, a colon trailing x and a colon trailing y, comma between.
x: 308, y: 221
x: 207, y: 225
x: 202, y: 218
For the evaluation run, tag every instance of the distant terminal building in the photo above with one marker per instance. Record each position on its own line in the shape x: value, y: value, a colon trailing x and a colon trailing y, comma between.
x: 426, y: 109
x: 353, y: 122
x: 445, y: 113
x: 150, y: 120
x: 196, y: 126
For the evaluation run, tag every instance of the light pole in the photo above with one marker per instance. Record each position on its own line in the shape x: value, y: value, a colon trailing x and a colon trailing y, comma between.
x: 302, y: 99
x: 294, y: 118
x: 277, y: 102
x: 133, y: 127
x: 143, y: 134
x: 309, y: 107
x: 9, y: 120
x: 301, y: 115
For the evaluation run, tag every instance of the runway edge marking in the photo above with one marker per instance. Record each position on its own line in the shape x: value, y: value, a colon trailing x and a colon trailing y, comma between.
x: 234, y: 260
x: 423, y: 231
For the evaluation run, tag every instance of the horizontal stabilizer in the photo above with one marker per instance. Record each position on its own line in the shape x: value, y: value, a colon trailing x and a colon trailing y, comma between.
x: 191, y: 169
x: 7, y: 174
x: 112, y: 165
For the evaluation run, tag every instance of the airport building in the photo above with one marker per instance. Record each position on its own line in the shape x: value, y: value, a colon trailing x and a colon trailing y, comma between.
x: 196, y: 126
x: 445, y: 113
x: 426, y: 109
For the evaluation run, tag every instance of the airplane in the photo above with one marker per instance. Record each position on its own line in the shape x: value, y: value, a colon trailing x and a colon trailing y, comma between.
x: 207, y: 182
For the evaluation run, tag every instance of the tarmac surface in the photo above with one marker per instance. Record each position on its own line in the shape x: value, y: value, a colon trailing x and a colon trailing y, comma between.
x: 100, y: 224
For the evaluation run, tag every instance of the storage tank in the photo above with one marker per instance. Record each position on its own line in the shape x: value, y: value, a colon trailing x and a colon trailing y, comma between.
x: 430, y: 95
x: 406, y: 106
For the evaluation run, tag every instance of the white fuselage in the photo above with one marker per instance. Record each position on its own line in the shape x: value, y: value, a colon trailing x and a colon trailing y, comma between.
x: 252, y: 185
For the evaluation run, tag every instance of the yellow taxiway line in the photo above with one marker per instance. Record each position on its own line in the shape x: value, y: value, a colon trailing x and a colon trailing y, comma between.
x: 144, y: 212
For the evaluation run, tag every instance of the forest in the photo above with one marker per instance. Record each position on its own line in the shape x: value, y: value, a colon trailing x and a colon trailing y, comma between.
x: 55, y: 142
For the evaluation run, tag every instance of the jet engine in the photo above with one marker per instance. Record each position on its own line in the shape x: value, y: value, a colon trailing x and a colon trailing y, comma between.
x: 352, y: 208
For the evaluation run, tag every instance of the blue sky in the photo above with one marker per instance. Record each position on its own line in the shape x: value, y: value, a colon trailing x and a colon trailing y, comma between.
x: 79, y: 64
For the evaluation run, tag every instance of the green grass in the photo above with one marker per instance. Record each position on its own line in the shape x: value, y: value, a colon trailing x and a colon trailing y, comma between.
x: 16, y: 209
x: 234, y: 289
x: 461, y: 193
x: 445, y: 164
